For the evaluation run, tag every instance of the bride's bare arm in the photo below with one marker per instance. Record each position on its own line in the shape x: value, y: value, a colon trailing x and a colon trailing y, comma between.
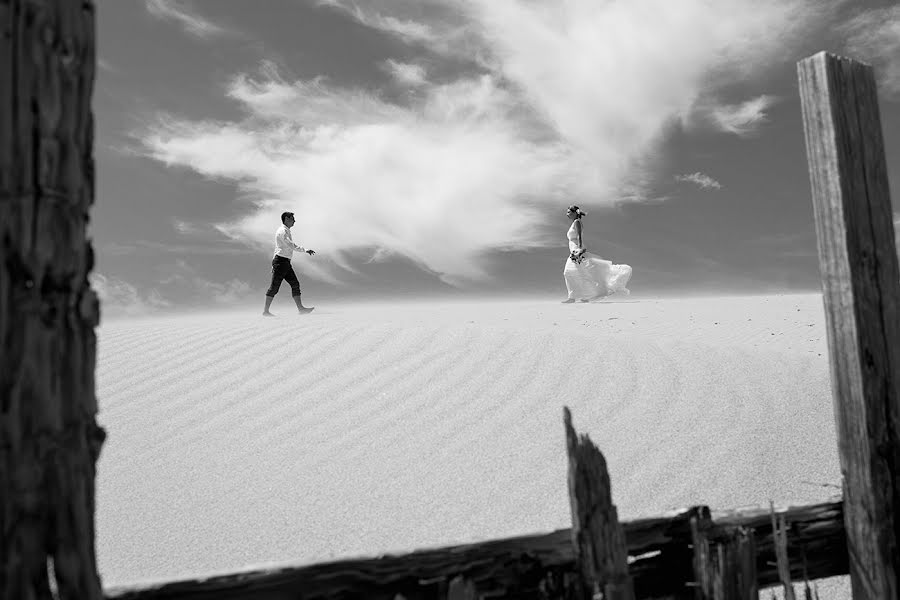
x: 578, y: 229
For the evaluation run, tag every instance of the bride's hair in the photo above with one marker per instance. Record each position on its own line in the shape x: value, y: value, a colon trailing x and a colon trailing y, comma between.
x: 578, y: 212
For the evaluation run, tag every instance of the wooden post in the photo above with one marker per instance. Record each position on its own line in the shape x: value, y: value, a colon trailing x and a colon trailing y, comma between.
x: 702, y: 557
x: 461, y: 588
x: 724, y: 564
x: 861, y: 285
x: 782, y: 557
x: 736, y: 566
x: 600, y: 550
x: 49, y: 438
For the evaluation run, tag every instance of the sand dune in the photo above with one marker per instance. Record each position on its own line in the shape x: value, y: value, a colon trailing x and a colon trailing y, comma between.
x: 236, y: 440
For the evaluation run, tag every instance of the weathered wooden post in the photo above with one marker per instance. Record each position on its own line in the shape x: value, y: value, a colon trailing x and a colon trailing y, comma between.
x: 49, y: 438
x: 724, y: 566
x: 461, y: 588
x: 701, y: 525
x: 734, y: 567
x: 782, y: 558
x: 597, y: 536
x: 861, y: 286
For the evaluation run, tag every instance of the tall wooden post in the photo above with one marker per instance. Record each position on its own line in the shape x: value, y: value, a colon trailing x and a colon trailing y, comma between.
x: 861, y: 285
x: 597, y: 536
x: 49, y: 438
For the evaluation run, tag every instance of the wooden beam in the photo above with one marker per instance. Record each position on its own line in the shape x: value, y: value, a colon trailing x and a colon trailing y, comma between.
x: 861, y: 285
x: 660, y: 562
x: 49, y: 437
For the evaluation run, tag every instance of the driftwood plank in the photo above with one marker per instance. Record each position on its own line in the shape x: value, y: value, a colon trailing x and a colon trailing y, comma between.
x: 660, y: 562
x: 861, y: 285
x: 600, y: 550
x: 49, y: 438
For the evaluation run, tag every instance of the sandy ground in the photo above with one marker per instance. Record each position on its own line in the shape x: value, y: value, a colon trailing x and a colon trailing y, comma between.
x: 238, y: 441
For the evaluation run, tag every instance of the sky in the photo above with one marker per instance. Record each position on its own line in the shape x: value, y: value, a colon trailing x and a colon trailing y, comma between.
x: 430, y: 147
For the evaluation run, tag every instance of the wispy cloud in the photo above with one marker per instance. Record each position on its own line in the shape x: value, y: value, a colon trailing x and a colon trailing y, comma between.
x: 118, y: 297
x: 183, y: 227
x: 741, y: 119
x: 704, y: 181
x: 874, y: 36
x: 405, y: 73
x: 405, y: 178
x: 233, y: 291
x: 192, y: 285
x: 180, y: 12
x: 269, y: 98
x: 368, y: 15
x: 145, y: 247
x: 476, y: 164
x: 442, y: 26
x: 105, y: 65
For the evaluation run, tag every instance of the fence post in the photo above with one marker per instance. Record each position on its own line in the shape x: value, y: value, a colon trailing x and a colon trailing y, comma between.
x: 701, y: 525
x: 724, y: 561
x: 461, y: 588
x: 49, y: 438
x: 861, y: 288
x: 782, y: 558
x: 600, y: 550
x: 735, y: 571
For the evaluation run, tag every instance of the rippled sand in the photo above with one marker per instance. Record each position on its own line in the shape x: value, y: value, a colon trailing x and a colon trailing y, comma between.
x: 236, y: 440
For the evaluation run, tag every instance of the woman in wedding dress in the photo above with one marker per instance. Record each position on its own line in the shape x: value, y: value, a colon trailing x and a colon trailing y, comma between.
x: 589, y: 277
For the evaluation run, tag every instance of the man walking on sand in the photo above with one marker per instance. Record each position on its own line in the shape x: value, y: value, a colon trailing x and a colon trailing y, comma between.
x: 281, y: 265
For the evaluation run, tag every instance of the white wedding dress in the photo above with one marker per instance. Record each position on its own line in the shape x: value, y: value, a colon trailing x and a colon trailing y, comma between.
x: 593, y: 277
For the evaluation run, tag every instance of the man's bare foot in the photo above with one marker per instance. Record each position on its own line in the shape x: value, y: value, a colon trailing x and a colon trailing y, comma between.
x: 306, y: 310
x: 569, y: 301
x: 267, y: 314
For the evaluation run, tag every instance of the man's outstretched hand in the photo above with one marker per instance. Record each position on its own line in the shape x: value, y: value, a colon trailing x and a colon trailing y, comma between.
x: 310, y: 252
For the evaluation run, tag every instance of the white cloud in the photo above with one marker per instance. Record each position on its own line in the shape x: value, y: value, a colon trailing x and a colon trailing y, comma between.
x: 442, y: 26
x: 440, y: 182
x: 118, y: 297
x: 182, y: 280
x: 233, y: 291
x: 571, y: 104
x: 271, y: 99
x: 704, y: 181
x: 741, y: 119
x: 105, y: 65
x: 147, y: 247
x: 179, y: 12
x: 875, y: 36
x: 406, y: 29
x: 181, y: 285
x: 585, y: 65
x: 184, y: 228
x: 406, y: 74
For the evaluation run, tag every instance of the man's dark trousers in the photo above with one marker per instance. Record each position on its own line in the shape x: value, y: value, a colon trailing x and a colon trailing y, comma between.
x: 282, y: 270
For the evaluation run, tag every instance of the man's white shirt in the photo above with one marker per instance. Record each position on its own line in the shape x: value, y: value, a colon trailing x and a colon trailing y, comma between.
x: 284, y: 244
